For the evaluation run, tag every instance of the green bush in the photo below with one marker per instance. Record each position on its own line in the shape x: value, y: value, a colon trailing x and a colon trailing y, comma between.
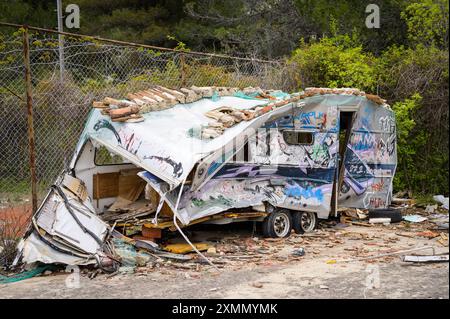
x: 334, y: 62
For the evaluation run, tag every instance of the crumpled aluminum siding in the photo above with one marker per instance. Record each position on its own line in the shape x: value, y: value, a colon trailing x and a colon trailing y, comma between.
x: 295, y: 177
x: 162, y: 144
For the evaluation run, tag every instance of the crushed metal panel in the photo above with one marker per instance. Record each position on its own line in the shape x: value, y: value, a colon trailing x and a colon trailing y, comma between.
x: 421, y: 259
x: 298, y: 177
x: 34, y: 249
x: 164, y: 144
x: 64, y: 230
x: 64, y: 225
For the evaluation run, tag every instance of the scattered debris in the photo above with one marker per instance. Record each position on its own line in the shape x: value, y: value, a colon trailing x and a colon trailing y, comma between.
x: 175, y: 175
x: 422, y: 258
x: 184, y: 248
x: 443, y: 200
x: 430, y: 208
x: 361, y: 224
x: 257, y: 284
x: 440, y: 220
x: 299, y: 252
x: 428, y: 234
x: 414, y: 218
x: 403, y: 201
x: 400, y: 252
x: 384, y: 221
x: 130, y: 257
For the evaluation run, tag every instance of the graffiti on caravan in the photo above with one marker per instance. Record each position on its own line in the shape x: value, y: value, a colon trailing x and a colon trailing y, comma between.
x: 311, y: 120
x: 362, y: 141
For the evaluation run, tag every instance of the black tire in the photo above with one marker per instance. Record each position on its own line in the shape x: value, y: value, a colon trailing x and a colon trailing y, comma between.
x: 304, y: 222
x: 394, y: 214
x: 278, y: 224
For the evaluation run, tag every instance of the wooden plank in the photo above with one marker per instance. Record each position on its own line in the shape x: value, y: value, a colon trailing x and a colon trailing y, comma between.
x: 130, y: 185
x: 106, y: 185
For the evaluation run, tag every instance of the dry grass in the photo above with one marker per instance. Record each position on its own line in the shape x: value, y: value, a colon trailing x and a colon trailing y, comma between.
x: 13, y: 223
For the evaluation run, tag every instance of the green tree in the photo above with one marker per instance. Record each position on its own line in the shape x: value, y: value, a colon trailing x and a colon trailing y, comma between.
x: 427, y: 22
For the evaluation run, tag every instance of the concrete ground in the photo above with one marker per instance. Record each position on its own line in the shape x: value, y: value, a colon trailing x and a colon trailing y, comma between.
x: 253, y: 267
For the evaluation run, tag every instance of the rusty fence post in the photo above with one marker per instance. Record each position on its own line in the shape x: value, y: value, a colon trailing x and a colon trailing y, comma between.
x: 31, y: 144
x: 183, y: 70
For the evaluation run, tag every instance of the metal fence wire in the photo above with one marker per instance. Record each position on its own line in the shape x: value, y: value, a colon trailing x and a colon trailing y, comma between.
x: 92, y: 70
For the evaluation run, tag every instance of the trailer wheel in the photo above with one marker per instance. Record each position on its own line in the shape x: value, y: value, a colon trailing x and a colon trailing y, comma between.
x: 278, y: 224
x: 304, y: 222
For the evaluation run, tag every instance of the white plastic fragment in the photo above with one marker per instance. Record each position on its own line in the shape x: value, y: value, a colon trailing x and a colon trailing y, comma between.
x: 384, y: 221
x: 443, y: 200
x: 421, y: 259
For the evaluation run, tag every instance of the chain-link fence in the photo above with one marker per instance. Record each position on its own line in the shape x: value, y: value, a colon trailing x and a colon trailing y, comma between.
x: 63, y: 91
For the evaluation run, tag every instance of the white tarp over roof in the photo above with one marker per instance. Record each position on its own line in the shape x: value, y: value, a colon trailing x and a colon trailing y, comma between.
x: 163, y: 143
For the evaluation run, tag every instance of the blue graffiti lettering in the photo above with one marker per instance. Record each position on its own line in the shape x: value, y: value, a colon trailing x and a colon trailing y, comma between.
x: 297, y: 191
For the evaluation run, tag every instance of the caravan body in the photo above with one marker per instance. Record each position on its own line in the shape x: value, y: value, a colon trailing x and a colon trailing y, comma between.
x: 311, y: 152
x: 315, y: 154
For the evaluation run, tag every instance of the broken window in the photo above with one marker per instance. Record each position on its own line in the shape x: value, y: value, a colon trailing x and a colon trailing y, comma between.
x: 104, y: 157
x: 298, y: 137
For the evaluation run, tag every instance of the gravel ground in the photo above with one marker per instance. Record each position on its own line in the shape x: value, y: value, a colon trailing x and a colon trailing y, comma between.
x: 287, y: 281
x: 269, y: 270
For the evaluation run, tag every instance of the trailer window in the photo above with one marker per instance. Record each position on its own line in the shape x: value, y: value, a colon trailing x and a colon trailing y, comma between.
x: 298, y: 137
x: 104, y: 157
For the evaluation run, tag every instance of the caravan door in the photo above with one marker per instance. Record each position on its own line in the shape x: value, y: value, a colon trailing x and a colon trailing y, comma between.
x: 370, y: 159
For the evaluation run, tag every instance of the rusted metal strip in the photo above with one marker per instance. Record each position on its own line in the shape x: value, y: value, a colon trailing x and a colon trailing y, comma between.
x: 133, y: 44
x: 31, y: 143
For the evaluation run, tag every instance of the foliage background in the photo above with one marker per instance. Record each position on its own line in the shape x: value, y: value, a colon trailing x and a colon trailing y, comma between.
x: 324, y: 43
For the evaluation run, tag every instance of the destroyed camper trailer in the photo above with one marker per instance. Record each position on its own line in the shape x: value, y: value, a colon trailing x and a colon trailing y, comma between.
x: 165, y: 159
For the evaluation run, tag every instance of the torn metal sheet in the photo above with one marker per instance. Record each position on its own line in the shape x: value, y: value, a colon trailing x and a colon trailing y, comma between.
x: 172, y: 151
x: 65, y: 230
x: 55, y: 219
x: 33, y: 249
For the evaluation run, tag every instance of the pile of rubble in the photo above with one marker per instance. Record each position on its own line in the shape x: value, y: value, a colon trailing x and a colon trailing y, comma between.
x: 349, y: 91
x: 160, y: 98
x: 226, y: 117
